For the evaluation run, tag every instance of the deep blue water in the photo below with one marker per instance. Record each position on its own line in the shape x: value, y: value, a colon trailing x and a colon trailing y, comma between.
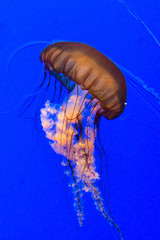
x: 35, y: 201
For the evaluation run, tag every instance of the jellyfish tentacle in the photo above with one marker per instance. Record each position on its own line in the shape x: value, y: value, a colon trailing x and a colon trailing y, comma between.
x: 100, y: 206
x: 77, y: 198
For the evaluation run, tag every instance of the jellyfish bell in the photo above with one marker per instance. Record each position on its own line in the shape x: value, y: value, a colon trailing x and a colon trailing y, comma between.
x: 91, y: 70
x: 96, y: 87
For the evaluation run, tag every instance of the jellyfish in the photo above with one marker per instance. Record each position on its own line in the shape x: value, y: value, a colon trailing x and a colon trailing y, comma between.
x: 96, y: 87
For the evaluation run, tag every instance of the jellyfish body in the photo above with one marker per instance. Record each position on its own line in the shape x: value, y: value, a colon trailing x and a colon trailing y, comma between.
x: 96, y: 87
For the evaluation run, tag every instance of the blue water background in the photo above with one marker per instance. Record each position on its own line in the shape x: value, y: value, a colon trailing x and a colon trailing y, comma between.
x: 35, y: 201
